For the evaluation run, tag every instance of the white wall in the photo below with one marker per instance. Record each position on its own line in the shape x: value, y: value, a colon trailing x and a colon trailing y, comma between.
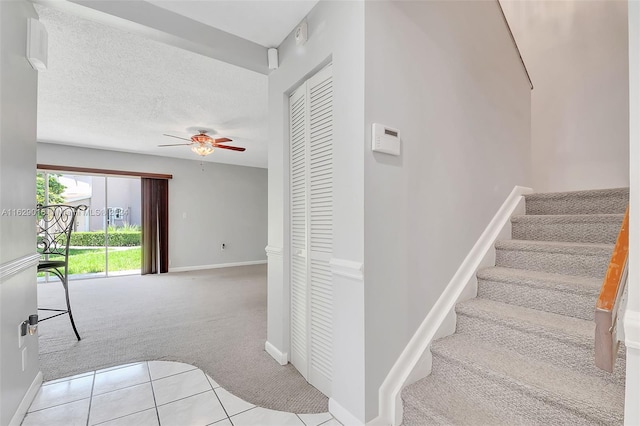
x: 632, y: 329
x: 18, y: 105
x: 445, y: 74
x: 223, y: 203
x: 576, y: 53
x: 336, y: 33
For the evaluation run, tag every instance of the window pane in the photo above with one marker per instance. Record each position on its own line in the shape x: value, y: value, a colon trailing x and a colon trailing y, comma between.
x: 123, y: 218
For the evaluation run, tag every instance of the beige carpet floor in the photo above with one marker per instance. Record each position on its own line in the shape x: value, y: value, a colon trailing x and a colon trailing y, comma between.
x: 213, y: 319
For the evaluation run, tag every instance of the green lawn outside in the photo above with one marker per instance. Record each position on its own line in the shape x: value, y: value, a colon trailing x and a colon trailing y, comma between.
x: 87, y: 261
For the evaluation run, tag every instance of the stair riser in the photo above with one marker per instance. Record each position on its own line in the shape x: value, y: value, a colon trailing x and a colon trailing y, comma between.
x: 566, y: 351
x: 544, y: 299
x: 605, y: 204
x: 558, y: 263
x: 597, y: 233
x: 544, y: 413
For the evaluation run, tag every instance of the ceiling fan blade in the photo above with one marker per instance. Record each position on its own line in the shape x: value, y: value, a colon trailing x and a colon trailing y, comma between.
x: 222, y: 140
x: 177, y: 137
x: 233, y: 148
x: 175, y: 144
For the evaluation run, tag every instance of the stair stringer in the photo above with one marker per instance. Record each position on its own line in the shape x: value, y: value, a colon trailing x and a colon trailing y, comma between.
x: 415, y: 361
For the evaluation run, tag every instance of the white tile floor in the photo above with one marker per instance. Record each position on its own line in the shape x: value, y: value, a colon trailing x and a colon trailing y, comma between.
x: 152, y: 393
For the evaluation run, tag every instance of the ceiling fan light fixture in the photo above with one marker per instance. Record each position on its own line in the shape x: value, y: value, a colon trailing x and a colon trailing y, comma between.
x: 201, y: 138
x: 203, y: 144
x: 202, y: 149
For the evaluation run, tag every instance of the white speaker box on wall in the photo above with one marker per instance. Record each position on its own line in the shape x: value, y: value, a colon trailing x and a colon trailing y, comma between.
x: 272, y: 56
x: 37, y: 44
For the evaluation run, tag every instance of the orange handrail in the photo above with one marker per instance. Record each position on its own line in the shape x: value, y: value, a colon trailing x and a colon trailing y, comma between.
x: 611, y: 284
x: 606, y: 340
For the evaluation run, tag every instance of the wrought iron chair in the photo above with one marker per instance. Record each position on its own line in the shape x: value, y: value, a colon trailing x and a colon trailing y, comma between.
x: 55, y: 225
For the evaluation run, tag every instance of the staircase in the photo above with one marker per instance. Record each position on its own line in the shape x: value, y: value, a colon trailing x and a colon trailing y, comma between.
x: 523, y: 350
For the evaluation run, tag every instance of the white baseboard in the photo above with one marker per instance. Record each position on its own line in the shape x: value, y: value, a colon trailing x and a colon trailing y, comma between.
x: 390, y: 403
x: 343, y: 415
x: 27, y: 400
x: 216, y: 266
x: 281, y: 357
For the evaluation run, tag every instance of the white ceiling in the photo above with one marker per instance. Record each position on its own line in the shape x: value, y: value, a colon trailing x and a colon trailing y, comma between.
x: 107, y: 88
x: 266, y: 22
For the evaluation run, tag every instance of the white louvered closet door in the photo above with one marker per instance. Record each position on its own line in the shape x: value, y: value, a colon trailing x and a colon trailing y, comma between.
x: 312, y: 229
x: 298, y: 208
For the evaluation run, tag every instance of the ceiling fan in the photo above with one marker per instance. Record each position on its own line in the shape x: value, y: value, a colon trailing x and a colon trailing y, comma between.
x: 203, y: 144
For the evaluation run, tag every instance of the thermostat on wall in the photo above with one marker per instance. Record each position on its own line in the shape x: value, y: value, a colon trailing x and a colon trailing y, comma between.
x: 385, y: 139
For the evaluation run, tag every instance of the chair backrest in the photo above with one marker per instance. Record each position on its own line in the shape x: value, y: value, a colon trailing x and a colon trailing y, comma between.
x: 55, y: 225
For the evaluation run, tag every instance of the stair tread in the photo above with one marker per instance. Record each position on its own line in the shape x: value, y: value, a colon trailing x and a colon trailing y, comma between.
x: 578, y: 330
x: 592, y: 396
x: 556, y: 247
x: 585, y: 194
x: 571, y: 283
x: 437, y: 401
x: 568, y: 218
x: 578, y: 202
x: 453, y: 395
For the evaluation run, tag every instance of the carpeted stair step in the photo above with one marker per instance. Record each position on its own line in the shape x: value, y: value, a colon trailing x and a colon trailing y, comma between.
x: 601, y: 201
x: 570, y: 295
x: 596, y: 228
x: 455, y: 395
x: 594, y: 399
x: 564, y: 341
x: 557, y: 257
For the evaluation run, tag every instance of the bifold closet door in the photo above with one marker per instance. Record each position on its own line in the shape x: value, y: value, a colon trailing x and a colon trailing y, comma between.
x: 299, y: 211
x: 311, y: 157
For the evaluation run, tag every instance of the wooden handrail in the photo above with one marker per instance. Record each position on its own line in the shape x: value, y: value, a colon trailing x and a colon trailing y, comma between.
x: 613, y: 286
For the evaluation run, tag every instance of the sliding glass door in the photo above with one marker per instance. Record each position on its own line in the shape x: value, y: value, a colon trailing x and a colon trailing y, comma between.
x: 123, y: 226
x: 106, y: 237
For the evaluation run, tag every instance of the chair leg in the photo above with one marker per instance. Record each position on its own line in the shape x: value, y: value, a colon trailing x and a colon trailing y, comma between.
x: 66, y: 292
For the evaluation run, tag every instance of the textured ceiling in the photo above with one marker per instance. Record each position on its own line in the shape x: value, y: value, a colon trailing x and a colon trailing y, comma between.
x: 106, y: 88
x: 266, y: 22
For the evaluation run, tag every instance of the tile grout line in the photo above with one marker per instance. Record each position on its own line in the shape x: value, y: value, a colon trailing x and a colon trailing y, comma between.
x: 93, y: 383
x: 61, y: 404
x: 248, y: 409
x: 153, y: 392
x: 301, y: 419
x: 180, y: 399
x: 122, y: 388
x: 121, y: 417
x: 171, y: 375
x: 217, y: 397
x: 136, y: 384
